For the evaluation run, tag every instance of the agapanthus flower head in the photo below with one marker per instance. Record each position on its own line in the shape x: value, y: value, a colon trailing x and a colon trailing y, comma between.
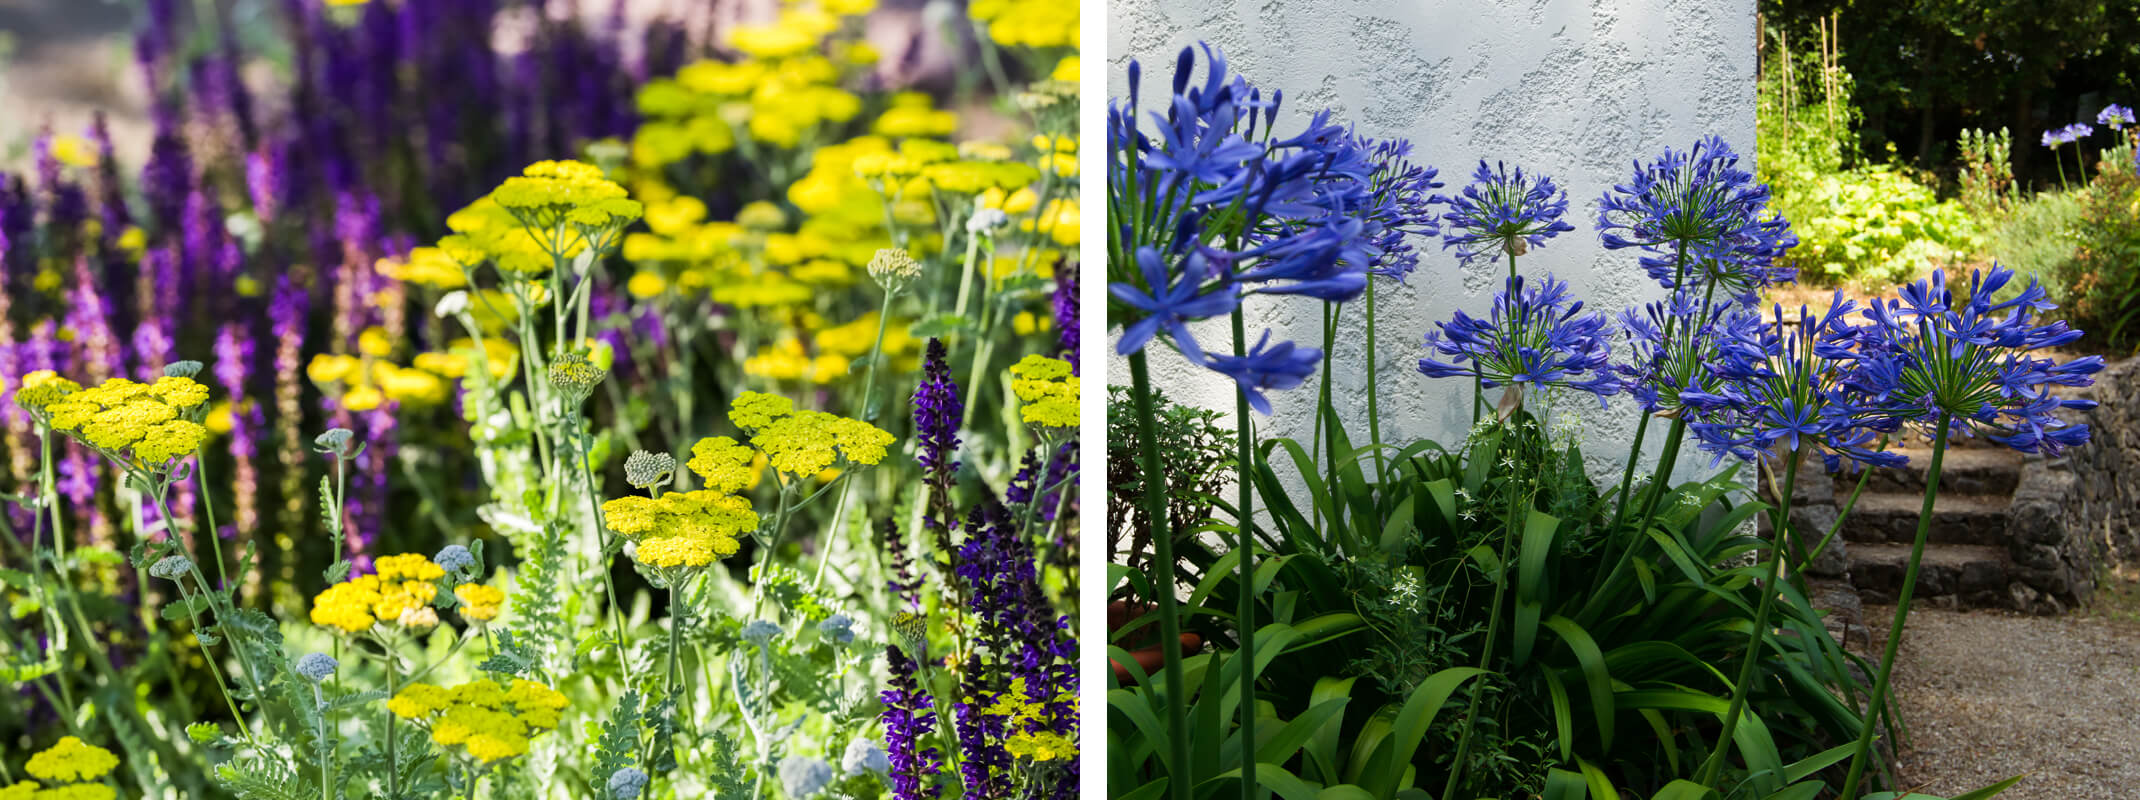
x: 316, y: 667
x: 2114, y: 116
x: 1267, y: 366
x: 1536, y: 335
x: 2068, y: 134
x: 1932, y: 353
x: 1701, y: 219
x: 1782, y: 384
x: 1403, y: 203
x: 1310, y: 216
x: 1501, y: 212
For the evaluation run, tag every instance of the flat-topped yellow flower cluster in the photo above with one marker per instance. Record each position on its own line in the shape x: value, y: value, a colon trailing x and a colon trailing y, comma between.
x: 399, y: 593
x: 489, y: 721
x: 1048, y: 390
x: 803, y: 443
x: 70, y: 764
x: 142, y: 425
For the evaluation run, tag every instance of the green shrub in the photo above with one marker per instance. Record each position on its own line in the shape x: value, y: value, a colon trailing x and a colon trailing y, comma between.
x: 1871, y: 226
x: 2098, y: 278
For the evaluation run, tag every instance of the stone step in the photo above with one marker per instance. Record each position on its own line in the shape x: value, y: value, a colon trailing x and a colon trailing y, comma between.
x: 1982, y: 471
x: 1891, y: 517
x: 1950, y: 575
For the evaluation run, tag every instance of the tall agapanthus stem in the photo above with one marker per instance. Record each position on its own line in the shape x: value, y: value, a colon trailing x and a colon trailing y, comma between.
x: 1245, y: 547
x: 1877, y: 704
x: 1864, y: 475
x: 1374, y: 412
x: 1179, y: 771
x: 1780, y: 520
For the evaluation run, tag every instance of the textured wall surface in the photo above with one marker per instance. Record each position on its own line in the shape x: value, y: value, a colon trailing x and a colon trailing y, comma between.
x: 1577, y: 90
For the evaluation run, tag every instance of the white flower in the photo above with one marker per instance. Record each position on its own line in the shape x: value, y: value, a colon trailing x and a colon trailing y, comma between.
x: 986, y: 220
x: 452, y: 304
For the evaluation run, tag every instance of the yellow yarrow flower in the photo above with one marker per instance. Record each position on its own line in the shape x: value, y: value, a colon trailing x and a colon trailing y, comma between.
x: 479, y: 602
x: 425, y: 266
x: 43, y: 388
x: 70, y: 760
x: 399, y: 591
x: 1028, y: 23
x: 723, y: 463
x: 1048, y: 390
x: 489, y: 721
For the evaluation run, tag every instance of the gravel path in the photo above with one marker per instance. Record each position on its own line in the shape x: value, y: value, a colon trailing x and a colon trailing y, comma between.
x: 1987, y: 695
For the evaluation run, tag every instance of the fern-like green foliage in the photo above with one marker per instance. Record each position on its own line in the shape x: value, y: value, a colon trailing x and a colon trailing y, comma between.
x: 255, y: 778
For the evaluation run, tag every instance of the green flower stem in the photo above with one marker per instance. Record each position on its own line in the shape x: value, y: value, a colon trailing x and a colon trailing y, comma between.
x: 609, y: 583
x: 217, y: 603
x: 1245, y: 545
x: 1780, y: 520
x: 2060, y: 161
x: 676, y: 638
x: 982, y: 355
x: 1619, y: 507
x: 1863, y: 474
x: 966, y: 269
x: 1902, y: 614
x: 1493, y: 631
x: 1181, y: 774
x: 393, y: 670
x: 876, y: 353
x: 1374, y: 412
x: 214, y: 536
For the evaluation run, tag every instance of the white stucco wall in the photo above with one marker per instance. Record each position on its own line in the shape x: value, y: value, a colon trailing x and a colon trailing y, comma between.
x: 1577, y: 90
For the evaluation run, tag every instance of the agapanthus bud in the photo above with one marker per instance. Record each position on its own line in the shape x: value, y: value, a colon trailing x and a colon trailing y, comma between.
x: 453, y: 303
x: 576, y: 376
x: 171, y: 567
x: 182, y: 369
x: 646, y: 470
x: 317, y: 666
x: 839, y: 628
x: 864, y: 755
x: 454, y: 558
x: 627, y: 783
x: 893, y: 269
x: 803, y: 776
x: 760, y: 632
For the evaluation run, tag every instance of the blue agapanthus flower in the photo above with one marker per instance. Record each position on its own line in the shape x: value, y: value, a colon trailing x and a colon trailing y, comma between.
x: 1213, y: 206
x: 1404, y: 202
x: 1267, y: 366
x: 1502, y: 212
x: 1673, y: 358
x: 2114, y: 116
x: 1931, y: 353
x: 2067, y: 135
x: 1702, y: 220
x: 1536, y: 335
x: 1781, y: 386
